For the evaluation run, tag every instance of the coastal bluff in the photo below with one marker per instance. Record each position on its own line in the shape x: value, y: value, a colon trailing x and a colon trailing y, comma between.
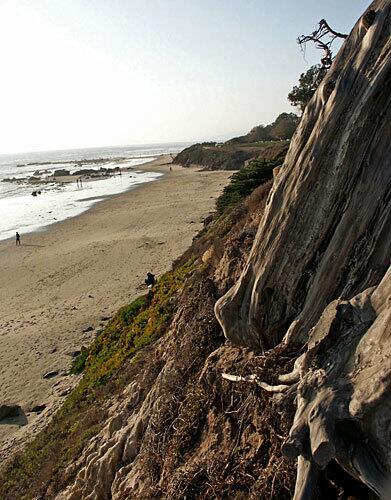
x: 260, y: 367
x: 261, y: 143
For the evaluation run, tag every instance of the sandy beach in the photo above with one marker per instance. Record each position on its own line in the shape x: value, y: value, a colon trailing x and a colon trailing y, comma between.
x: 59, y: 287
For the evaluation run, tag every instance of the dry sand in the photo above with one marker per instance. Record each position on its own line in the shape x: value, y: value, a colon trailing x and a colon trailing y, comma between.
x: 65, y: 279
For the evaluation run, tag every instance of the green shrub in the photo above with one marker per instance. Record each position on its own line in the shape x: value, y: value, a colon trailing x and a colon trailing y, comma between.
x: 79, y: 362
x: 246, y: 180
x: 133, y: 327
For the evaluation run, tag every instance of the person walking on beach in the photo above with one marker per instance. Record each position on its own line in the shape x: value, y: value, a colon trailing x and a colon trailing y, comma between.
x: 17, y: 238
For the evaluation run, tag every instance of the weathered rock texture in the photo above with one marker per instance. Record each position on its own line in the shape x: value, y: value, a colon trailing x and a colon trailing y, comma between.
x: 343, y: 393
x: 178, y: 430
x: 326, y: 230
x: 317, y: 272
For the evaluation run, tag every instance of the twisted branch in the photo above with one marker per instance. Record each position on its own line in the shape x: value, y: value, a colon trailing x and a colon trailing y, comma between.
x: 317, y: 36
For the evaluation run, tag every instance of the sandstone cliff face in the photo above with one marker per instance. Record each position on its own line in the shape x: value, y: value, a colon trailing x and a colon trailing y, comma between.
x: 325, y: 233
x: 230, y: 156
x: 317, y: 273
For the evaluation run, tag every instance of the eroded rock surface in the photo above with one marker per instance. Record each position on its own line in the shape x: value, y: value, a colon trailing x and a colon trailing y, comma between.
x: 326, y: 229
x: 344, y: 393
x: 317, y: 273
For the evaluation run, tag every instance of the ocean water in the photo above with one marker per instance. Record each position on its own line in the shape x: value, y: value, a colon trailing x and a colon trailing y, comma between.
x: 22, y: 212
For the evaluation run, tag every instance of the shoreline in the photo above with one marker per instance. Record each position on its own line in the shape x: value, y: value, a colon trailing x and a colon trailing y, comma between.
x: 60, y: 286
x: 153, y: 166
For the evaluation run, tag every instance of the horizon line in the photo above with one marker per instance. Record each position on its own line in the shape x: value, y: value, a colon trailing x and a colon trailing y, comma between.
x: 94, y: 147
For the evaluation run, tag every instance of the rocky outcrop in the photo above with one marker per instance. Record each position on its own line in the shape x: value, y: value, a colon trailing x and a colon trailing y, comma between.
x: 261, y: 143
x: 325, y: 233
x: 317, y: 272
x: 61, y: 172
x: 213, y: 157
x: 230, y: 157
x: 8, y: 411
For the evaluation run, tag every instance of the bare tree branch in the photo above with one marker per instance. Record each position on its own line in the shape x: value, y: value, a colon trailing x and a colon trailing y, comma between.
x: 335, y: 33
x: 317, y: 37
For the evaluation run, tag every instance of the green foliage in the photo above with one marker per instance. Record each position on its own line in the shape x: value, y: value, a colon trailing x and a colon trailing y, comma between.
x: 134, y: 327
x: 79, y: 362
x: 282, y: 128
x: 246, y: 180
x: 308, y: 83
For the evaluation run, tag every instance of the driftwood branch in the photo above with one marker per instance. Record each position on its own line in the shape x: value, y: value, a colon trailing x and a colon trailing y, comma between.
x: 323, y: 23
x: 253, y: 379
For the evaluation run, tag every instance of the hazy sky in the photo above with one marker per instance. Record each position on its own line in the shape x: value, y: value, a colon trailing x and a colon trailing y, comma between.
x: 81, y: 73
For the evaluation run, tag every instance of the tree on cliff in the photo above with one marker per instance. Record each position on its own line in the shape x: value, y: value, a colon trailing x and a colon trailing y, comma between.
x: 308, y: 83
x: 284, y: 126
x: 323, y: 38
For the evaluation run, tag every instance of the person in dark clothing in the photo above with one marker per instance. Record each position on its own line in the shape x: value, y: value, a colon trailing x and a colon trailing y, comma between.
x: 17, y: 238
x: 150, y: 280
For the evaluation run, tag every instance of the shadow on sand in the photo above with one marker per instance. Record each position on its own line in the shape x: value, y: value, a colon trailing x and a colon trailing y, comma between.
x: 19, y: 419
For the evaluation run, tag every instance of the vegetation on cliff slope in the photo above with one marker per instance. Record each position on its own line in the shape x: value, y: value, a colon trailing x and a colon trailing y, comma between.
x: 134, y: 327
x: 262, y: 142
x: 131, y: 330
x: 247, y: 179
x: 124, y: 348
